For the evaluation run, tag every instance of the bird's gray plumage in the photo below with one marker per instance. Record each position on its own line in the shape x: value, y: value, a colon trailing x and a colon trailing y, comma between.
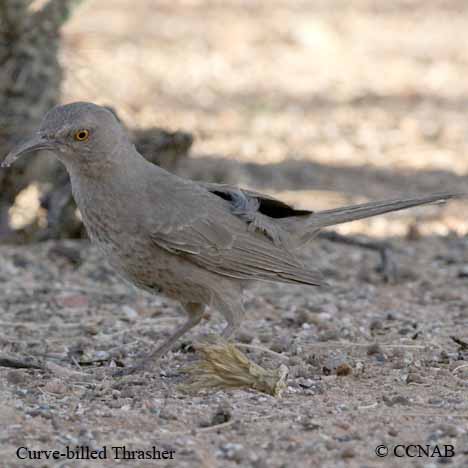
x: 198, y: 243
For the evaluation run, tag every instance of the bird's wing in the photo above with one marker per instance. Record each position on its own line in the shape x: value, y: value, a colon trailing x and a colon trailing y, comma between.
x: 261, y: 212
x: 203, y: 230
x: 266, y: 204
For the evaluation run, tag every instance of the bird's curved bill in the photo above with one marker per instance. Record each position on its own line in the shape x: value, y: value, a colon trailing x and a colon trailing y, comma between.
x: 36, y: 143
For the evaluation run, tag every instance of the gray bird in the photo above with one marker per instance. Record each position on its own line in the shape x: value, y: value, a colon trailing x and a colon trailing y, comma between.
x: 200, y: 244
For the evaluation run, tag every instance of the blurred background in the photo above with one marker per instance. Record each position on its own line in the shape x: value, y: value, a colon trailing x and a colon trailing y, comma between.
x: 318, y: 102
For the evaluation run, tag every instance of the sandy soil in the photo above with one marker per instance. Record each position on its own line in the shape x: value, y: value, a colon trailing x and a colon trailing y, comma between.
x: 321, y: 103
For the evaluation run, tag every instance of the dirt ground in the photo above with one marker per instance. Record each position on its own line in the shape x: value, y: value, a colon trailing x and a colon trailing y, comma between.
x: 321, y: 103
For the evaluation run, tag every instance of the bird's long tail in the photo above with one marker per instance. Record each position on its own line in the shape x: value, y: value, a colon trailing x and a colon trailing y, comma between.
x: 366, y: 210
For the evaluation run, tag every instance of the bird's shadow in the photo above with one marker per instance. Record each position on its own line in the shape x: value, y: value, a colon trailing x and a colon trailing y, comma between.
x: 301, y: 175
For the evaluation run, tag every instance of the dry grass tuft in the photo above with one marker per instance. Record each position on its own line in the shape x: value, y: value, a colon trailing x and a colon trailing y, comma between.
x: 223, y: 366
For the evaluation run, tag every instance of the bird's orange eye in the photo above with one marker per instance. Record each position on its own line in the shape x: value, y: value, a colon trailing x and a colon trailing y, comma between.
x: 81, y: 135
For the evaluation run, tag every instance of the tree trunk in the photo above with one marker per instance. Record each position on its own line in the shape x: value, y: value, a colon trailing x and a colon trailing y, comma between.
x: 30, y: 80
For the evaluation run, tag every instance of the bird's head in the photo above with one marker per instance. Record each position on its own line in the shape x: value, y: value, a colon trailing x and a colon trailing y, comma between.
x: 82, y: 135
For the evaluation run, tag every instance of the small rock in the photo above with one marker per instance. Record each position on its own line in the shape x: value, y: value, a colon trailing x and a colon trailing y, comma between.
x: 91, y: 329
x: 264, y: 337
x: 380, y: 358
x: 463, y: 272
x: 344, y: 369
x: 245, y: 336
x: 348, y: 452
x: 71, y: 254
x: 376, y: 326
x: 331, y: 445
x: 443, y: 357
x: 222, y: 415
x: 55, y: 386
x: 16, y: 377
x: 305, y: 383
x: 19, y: 261
x: 168, y: 414
x: 343, y: 425
x: 312, y: 359
x: 41, y: 410
x: 304, y: 316
x: 130, y: 314
x: 359, y: 367
x: 259, y: 463
x: 294, y: 361
x: 444, y: 430
x: 302, y: 371
x: 414, y: 377
x: 400, y: 364
x: 281, y: 344
x: 328, y: 335
x: 396, y: 400
x: 374, y: 348
x: 115, y: 404
x: 232, y: 451
x: 435, y: 402
x: 73, y: 300
x: 309, y: 424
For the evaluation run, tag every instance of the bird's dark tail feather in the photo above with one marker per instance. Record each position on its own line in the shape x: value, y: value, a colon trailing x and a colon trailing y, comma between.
x: 367, y: 210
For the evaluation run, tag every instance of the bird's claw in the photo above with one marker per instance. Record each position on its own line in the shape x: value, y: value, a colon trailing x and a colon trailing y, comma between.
x: 387, y: 267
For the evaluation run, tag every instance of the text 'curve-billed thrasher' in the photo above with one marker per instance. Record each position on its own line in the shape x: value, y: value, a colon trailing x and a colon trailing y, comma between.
x: 197, y: 243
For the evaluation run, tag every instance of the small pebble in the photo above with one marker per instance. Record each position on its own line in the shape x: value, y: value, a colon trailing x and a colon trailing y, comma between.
x: 55, y: 386
x: 303, y: 316
x: 344, y: 369
x: 328, y: 335
x: 374, y: 348
x: 130, y: 314
x: 16, y: 377
x: 73, y: 300
x: 463, y: 272
x: 348, y: 452
x: 245, y: 336
x: 414, y: 377
x: 396, y: 400
x: 310, y: 424
x: 222, y: 414
x: 281, y: 344
x: 232, y: 451
x: 71, y: 254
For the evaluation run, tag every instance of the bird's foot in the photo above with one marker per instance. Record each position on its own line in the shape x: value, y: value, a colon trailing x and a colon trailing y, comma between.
x: 387, y: 267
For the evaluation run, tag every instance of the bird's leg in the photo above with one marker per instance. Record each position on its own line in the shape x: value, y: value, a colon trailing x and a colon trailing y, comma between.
x: 195, y: 312
x: 387, y: 266
x: 229, y: 330
x: 233, y: 312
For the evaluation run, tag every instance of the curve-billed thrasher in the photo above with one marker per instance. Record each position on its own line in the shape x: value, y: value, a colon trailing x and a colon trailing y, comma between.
x: 194, y: 242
